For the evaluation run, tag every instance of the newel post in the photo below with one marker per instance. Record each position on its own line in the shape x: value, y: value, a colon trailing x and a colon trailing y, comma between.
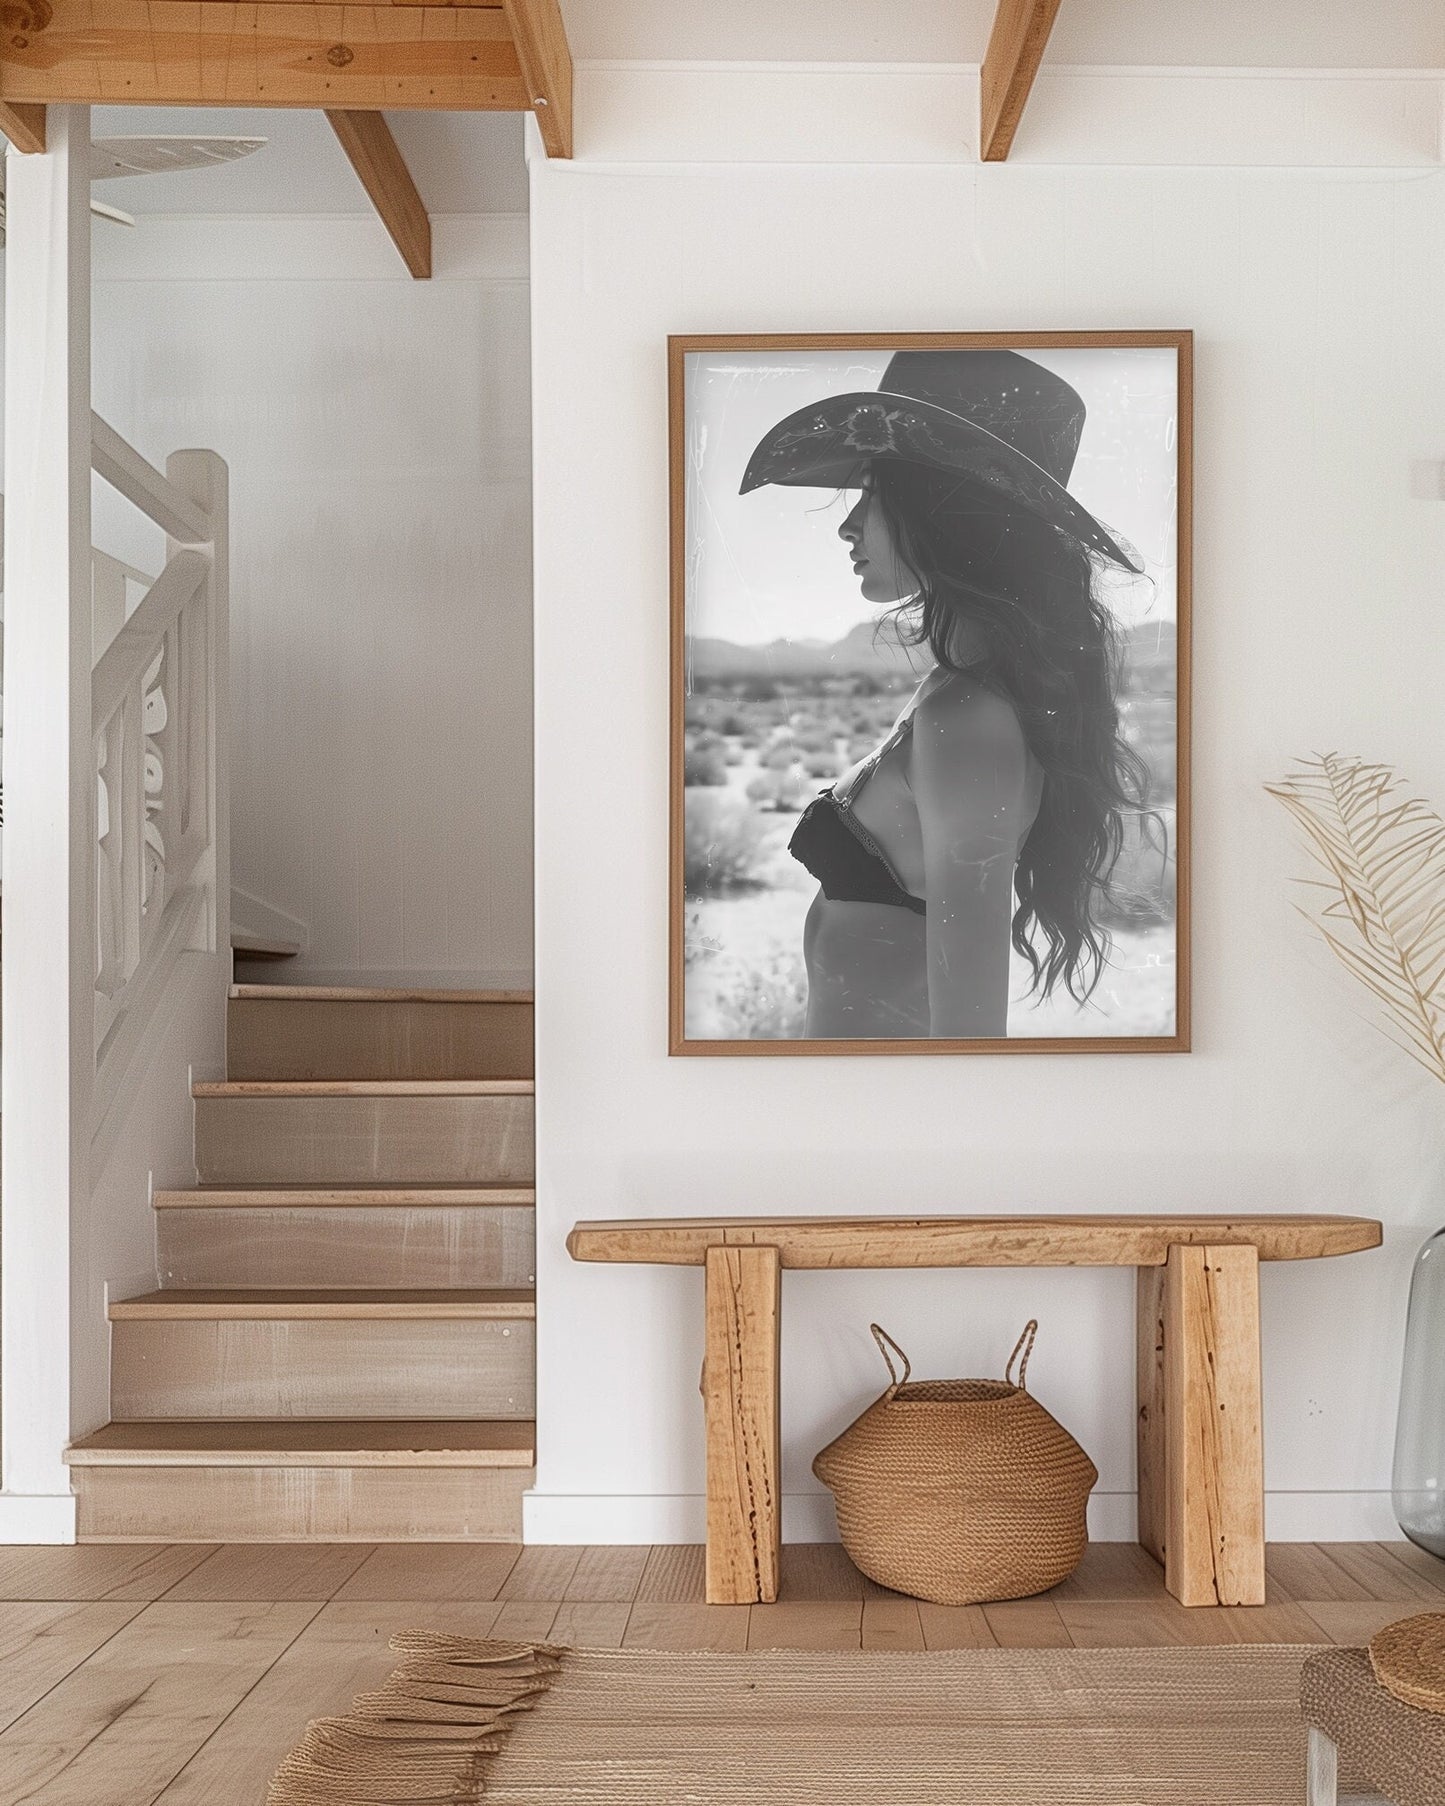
x: 48, y: 1025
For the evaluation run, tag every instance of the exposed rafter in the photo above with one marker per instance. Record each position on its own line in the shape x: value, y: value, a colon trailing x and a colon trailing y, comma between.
x: 210, y: 53
x: 1015, y: 49
x: 366, y: 138
x: 24, y: 126
x: 505, y: 56
x: 541, y: 41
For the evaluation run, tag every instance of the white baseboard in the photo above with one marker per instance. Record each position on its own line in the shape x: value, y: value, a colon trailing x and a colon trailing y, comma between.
x: 1113, y: 1517
x: 570, y: 1518
x: 567, y: 1518
x: 37, y: 1517
x: 1330, y: 1517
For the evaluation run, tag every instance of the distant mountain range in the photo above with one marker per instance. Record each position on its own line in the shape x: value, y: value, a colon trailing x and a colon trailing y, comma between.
x: 873, y: 649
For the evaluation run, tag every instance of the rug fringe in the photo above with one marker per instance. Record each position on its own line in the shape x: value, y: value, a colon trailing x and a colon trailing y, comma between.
x: 425, y: 1735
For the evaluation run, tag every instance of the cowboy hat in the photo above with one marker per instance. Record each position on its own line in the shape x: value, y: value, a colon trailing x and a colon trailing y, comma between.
x: 994, y: 417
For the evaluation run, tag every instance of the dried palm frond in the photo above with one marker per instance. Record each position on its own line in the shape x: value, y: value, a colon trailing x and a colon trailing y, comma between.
x: 1383, y: 914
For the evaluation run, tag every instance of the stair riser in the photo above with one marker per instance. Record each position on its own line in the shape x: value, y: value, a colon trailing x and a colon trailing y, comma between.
x: 402, y: 1247
x: 316, y: 1038
x: 331, y: 1368
x: 300, y: 1504
x: 364, y: 1140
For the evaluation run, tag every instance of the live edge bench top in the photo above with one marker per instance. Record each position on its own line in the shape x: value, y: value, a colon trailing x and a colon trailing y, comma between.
x: 1003, y: 1241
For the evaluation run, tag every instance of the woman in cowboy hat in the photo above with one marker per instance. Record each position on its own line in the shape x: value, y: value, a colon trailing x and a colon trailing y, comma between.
x: 991, y: 817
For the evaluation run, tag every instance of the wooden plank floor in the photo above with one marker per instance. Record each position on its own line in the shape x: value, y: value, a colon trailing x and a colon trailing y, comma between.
x: 132, y: 1675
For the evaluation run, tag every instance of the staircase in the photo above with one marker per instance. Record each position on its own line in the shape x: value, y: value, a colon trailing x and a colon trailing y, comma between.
x: 342, y: 1344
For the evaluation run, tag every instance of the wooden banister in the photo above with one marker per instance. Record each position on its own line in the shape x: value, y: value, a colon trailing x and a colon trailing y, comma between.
x: 148, y: 489
x: 124, y: 662
x: 157, y: 690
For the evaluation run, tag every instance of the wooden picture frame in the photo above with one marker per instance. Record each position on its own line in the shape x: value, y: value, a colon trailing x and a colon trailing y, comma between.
x: 1174, y: 475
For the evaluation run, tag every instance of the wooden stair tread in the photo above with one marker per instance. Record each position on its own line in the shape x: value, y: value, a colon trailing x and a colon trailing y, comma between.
x: 371, y: 994
x: 274, y: 1305
x: 352, y: 1197
x: 380, y: 1088
x: 309, y: 1442
x: 1141, y: 1240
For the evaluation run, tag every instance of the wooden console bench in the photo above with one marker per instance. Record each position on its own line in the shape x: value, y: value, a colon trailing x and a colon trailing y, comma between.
x: 1201, y: 1458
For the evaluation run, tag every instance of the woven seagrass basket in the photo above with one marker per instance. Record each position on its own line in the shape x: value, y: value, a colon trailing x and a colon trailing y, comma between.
x: 960, y: 1491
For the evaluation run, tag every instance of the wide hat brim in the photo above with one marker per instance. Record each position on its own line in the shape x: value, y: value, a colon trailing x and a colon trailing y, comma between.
x: 825, y: 446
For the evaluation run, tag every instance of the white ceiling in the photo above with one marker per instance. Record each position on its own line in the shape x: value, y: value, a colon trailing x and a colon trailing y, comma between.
x: 473, y: 163
x: 1192, y: 33
x: 461, y: 162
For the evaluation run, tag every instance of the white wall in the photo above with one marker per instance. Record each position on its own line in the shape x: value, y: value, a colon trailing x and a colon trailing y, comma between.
x: 376, y: 430
x: 461, y: 163
x: 1316, y: 297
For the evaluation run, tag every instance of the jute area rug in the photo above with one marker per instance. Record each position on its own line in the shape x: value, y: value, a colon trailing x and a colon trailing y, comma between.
x: 513, y: 1725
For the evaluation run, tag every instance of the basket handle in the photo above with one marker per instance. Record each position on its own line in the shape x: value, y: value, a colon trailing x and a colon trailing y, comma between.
x: 885, y: 1342
x: 1026, y: 1344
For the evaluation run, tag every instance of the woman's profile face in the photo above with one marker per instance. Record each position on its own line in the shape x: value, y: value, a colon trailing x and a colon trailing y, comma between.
x: 882, y: 575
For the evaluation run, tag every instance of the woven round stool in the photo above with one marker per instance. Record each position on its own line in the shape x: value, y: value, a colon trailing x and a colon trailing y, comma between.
x: 1358, y: 1728
x: 1409, y: 1660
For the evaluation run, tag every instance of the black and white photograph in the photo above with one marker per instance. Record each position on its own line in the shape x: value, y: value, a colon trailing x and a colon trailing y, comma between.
x: 930, y: 702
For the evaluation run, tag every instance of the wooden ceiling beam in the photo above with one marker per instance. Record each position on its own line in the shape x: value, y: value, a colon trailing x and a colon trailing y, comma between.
x: 546, y: 63
x: 372, y: 151
x: 1015, y: 49
x: 505, y: 56
x: 109, y: 52
x: 24, y: 126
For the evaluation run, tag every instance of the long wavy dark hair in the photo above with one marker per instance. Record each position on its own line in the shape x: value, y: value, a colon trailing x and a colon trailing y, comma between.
x: 1010, y: 598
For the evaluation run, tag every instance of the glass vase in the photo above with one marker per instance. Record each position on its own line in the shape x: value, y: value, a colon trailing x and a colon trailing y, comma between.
x: 1419, y: 1477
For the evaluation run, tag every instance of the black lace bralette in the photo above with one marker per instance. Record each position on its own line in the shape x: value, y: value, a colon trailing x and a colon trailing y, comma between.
x: 831, y: 843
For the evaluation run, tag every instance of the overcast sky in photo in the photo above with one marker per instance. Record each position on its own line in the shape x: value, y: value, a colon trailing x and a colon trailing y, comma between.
x: 770, y: 565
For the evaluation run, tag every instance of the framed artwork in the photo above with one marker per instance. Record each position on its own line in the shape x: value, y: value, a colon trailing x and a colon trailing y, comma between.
x: 930, y: 693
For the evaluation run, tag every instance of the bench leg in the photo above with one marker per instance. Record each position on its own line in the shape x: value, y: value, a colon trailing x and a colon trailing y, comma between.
x: 1322, y: 1770
x: 1149, y: 1398
x: 1211, y: 1438
x: 741, y: 1406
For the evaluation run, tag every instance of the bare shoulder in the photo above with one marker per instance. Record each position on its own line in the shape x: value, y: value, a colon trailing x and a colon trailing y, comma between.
x: 961, y: 715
